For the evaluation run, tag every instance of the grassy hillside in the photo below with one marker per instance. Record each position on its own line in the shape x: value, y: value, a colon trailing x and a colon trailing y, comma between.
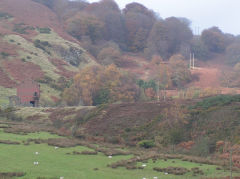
x: 68, y: 162
x: 33, y: 47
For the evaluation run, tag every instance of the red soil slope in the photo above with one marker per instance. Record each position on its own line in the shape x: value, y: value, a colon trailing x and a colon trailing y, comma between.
x: 21, y: 71
x: 208, y: 77
x: 5, y: 81
x: 60, y: 64
x: 33, y: 14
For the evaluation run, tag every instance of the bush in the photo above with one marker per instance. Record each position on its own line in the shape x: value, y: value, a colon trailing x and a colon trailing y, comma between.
x: 4, y: 54
x: 220, y: 100
x: 21, y: 28
x: 42, y: 45
x: 172, y: 170
x: 101, y: 97
x: 146, y: 144
x: 44, y: 30
x: 203, y: 147
x: 4, y: 15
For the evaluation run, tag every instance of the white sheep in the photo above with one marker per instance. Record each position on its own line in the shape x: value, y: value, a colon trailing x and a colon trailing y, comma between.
x: 56, y: 147
x: 35, y: 163
x: 36, y: 153
x: 166, y: 173
x: 110, y: 156
x: 155, y: 177
x: 61, y: 177
x: 144, y: 165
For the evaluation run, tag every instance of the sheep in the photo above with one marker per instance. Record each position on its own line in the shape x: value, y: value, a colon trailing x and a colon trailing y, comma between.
x: 61, y: 177
x: 144, y: 165
x: 155, y: 177
x: 36, y: 153
x: 56, y: 147
x: 35, y: 163
x: 110, y: 156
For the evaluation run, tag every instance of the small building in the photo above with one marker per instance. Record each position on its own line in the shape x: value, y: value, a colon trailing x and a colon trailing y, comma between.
x: 28, y: 94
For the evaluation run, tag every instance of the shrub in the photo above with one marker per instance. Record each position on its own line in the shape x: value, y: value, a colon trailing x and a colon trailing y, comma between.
x: 4, y: 15
x: 21, y: 28
x: 44, y: 30
x: 101, y: 97
x: 146, y: 144
x: 220, y: 100
x: 203, y: 147
x: 172, y: 170
x: 4, y: 54
x: 42, y: 45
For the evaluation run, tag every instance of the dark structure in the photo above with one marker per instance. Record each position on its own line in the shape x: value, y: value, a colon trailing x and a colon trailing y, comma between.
x: 28, y: 94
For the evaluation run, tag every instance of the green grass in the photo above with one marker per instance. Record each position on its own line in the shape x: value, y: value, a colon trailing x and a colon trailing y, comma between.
x: 220, y: 100
x: 19, y: 138
x: 209, y: 170
x: 55, y: 162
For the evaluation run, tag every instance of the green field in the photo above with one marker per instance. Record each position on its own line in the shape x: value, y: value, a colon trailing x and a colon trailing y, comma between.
x: 55, y: 163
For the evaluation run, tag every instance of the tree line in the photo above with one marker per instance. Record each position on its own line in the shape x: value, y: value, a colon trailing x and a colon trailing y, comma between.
x: 103, y: 27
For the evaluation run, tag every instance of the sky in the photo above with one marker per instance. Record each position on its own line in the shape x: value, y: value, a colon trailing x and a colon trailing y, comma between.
x: 203, y: 14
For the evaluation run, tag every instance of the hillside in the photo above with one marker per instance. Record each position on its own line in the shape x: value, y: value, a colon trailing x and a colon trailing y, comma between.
x: 33, y: 45
x: 203, y: 127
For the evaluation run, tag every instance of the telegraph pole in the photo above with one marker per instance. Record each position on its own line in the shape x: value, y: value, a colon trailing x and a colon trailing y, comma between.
x: 190, y: 64
x: 193, y: 61
x: 230, y: 163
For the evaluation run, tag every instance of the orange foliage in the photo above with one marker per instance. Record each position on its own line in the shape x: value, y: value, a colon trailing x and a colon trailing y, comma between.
x: 91, y: 80
x: 186, y: 145
x: 150, y: 93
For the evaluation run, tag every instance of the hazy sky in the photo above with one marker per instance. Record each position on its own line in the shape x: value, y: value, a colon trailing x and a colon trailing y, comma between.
x: 224, y: 14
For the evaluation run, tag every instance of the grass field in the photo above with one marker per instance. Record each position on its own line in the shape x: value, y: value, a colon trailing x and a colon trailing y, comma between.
x: 55, y: 163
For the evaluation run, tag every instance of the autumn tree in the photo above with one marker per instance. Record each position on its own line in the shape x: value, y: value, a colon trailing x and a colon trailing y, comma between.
x: 83, y: 24
x: 199, y: 49
x: 163, y: 79
x: 181, y: 74
x: 214, y: 39
x: 233, y: 53
x: 110, y: 14
x: 167, y: 37
x: 138, y: 21
x: 96, y: 85
x: 110, y: 55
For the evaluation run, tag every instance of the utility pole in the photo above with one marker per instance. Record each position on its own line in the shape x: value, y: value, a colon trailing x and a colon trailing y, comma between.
x: 230, y: 163
x: 190, y: 64
x: 193, y: 62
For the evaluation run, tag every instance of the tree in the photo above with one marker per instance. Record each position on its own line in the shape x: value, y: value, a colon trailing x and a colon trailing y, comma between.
x: 167, y: 37
x: 138, y: 22
x: 214, y: 39
x: 109, y: 55
x: 233, y: 53
x: 96, y: 85
x: 110, y: 14
x: 199, y: 49
x: 71, y: 96
x: 83, y: 24
x: 181, y: 74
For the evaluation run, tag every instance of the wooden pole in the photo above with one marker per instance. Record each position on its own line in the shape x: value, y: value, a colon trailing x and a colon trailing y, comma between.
x: 230, y: 163
x: 190, y: 64
x: 193, y: 61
